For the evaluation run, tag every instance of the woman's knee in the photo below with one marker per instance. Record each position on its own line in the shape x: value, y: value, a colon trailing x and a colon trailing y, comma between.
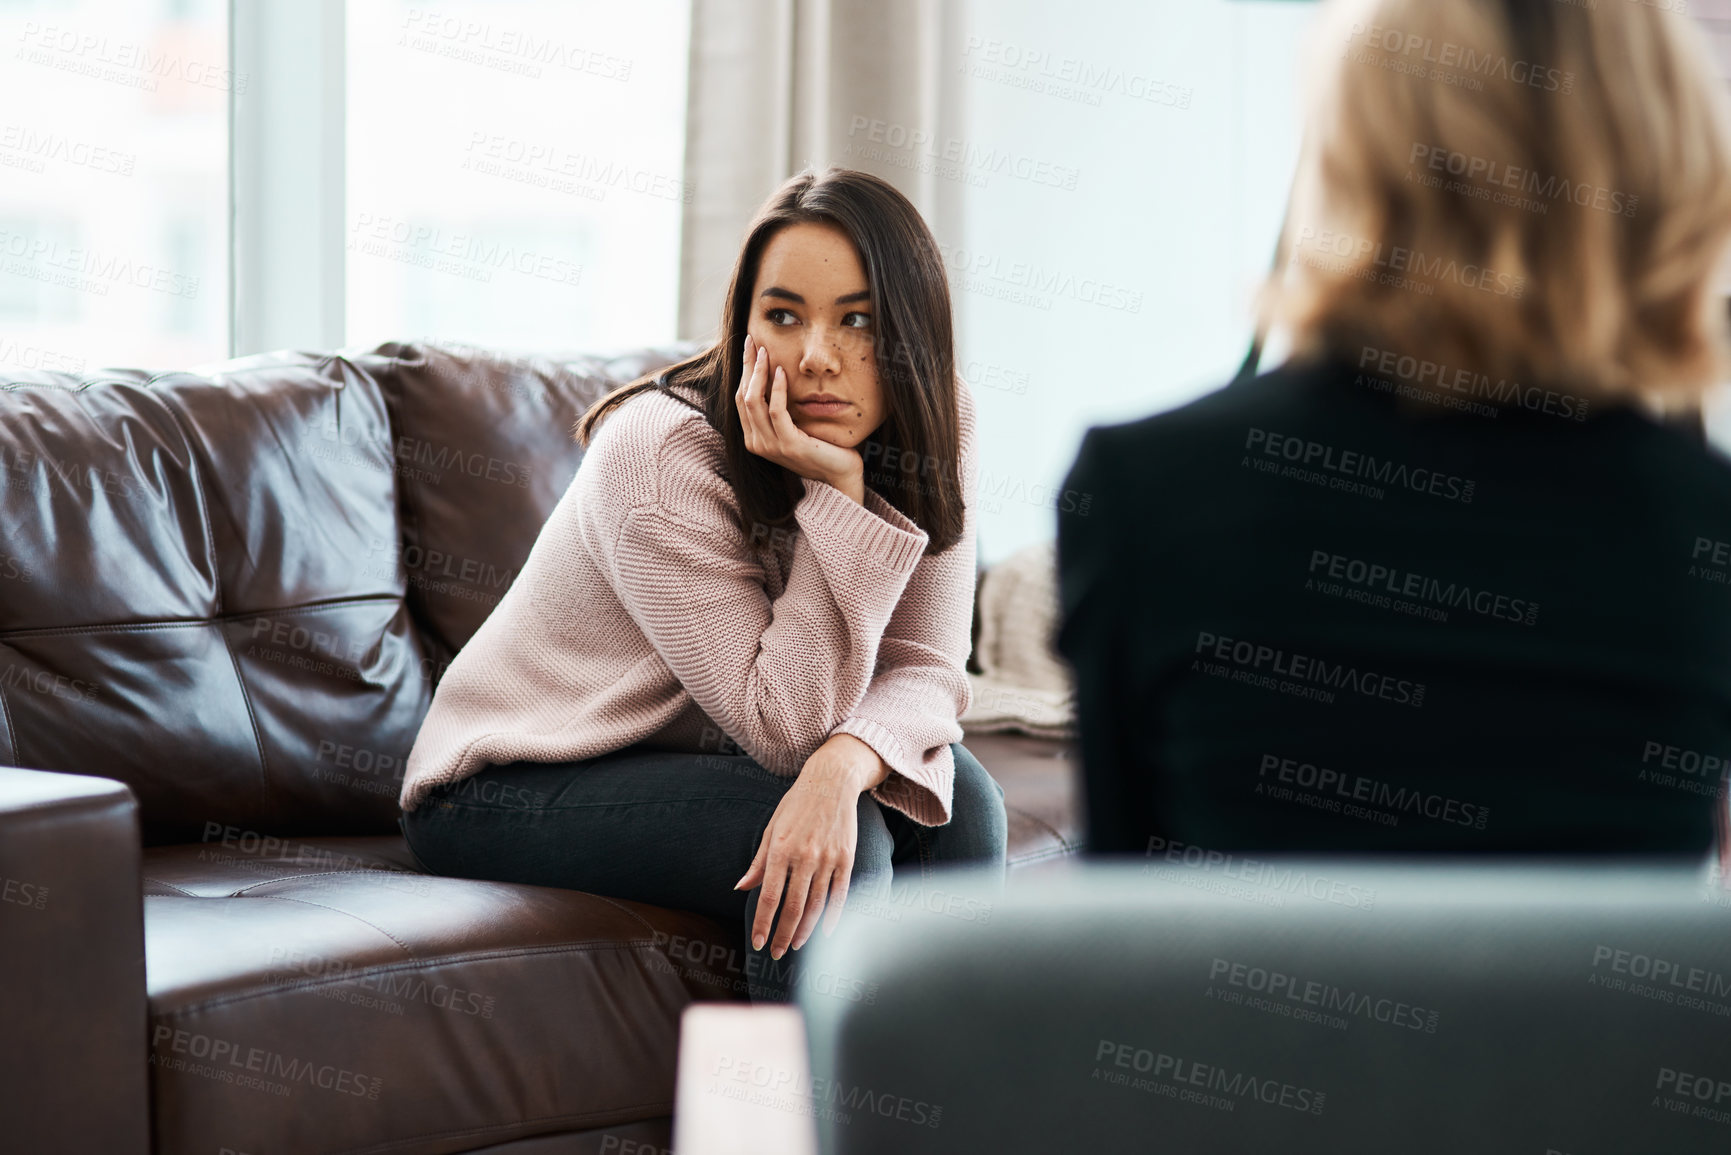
x: 973, y: 785
x: 977, y: 800
x: 874, y: 848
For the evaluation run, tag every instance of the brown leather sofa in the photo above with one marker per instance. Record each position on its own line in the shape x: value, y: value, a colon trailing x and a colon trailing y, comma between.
x: 225, y: 600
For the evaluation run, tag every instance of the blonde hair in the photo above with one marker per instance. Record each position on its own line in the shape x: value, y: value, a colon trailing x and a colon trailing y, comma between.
x: 1537, y: 191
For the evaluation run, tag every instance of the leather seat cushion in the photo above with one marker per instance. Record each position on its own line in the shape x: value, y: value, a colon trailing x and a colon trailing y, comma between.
x: 1040, y: 795
x: 324, y: 995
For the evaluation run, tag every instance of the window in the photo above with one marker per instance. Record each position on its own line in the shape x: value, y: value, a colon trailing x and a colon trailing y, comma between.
x: 113, y: 184
x: 1121, y: 183
x: 515, y: 172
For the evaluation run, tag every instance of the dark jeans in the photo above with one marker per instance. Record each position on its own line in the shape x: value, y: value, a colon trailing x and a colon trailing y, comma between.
x: 678, y: 830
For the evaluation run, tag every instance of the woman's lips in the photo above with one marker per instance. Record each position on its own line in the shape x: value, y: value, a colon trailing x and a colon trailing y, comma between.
x: 823, y: 408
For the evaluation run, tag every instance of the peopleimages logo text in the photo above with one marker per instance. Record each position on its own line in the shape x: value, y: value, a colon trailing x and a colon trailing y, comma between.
x: 1239, y: 1084
x: 1255, y: 873
x: 1358, y: 465
x: 1302, y: 668
x: 1312, y: 992
x: 1448, y: 55
x: 1528, y: 181
x: 1400, y: 259
x: 1696, y: 980
x: 1403, y: 583
x: 1358, y: 788
x: 1456, y: 380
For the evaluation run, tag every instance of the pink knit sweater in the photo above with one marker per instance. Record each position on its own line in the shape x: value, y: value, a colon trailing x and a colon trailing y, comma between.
x: 644, y: 615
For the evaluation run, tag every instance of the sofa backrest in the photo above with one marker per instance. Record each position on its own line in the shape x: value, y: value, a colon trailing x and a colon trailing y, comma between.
x: 235, y: 589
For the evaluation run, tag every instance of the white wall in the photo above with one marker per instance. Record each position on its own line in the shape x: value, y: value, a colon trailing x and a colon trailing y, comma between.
x: 1176, y: 208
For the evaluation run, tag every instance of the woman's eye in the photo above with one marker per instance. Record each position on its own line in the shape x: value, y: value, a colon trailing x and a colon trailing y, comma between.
x: 857, y: 320
x: 780, y: 316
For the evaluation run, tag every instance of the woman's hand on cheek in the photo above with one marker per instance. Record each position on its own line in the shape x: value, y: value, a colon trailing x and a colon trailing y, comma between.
x: 770, y: 432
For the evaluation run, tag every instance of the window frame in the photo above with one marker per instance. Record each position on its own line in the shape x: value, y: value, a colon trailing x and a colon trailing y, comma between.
x: 286, y: 150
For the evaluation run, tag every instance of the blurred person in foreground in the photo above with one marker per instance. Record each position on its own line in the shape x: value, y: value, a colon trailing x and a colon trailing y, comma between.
x: 1448, y: 579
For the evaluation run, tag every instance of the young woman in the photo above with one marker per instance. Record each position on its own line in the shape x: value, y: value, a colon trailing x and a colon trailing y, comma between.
x: 728, y: 676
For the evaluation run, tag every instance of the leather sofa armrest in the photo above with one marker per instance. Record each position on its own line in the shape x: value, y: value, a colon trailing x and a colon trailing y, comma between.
x: 73, y: 1015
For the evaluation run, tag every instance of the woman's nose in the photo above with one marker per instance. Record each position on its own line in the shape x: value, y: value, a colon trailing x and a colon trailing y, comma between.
x: 821, y: 355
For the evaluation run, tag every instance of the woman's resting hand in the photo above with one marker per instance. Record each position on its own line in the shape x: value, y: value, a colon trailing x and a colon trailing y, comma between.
x: 806, y: 856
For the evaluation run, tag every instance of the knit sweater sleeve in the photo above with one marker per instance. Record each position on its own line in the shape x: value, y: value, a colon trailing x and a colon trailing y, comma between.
x: 909, y: 712
x: 777, y: 676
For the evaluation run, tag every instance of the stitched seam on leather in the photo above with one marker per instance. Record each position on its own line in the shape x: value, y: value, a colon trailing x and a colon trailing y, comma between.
x: 407, y: 511
x: 14, y: 386
x: 252, y: 720
x: 415, y: 963
x: 628, y: 911
x: 197, y: 472
x: 11, y: 730
x: 171, y: 886
x: 189, y: 623
x: 322, y: 874
x: 350, y: 914
x: 397, y: 1144
x: 1040, y: 856
x: 1042, y: 823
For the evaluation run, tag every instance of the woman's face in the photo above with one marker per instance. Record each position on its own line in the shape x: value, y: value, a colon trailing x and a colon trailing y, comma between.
x: 811, y: 309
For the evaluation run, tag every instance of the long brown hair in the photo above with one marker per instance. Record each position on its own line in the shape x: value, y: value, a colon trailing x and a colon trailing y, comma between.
x: 915, y: 352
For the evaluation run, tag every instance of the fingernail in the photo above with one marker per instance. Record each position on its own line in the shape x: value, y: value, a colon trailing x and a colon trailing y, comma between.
x: 757, y: 942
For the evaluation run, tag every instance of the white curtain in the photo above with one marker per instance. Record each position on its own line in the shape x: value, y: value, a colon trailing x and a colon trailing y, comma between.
x: 777, y: 85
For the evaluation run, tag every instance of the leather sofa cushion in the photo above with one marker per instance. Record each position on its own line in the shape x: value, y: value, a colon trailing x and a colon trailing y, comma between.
x: 484, y: 451
x: 322, y: 995
x: 193, y: 610
x: 272, y: 559
x: 1041, y: 795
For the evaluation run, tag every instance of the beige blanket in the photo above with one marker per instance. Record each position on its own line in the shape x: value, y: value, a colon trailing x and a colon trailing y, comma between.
x: 1024, y: 685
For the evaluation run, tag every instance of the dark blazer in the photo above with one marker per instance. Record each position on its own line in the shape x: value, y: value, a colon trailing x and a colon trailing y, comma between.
x: 1309, y: 614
